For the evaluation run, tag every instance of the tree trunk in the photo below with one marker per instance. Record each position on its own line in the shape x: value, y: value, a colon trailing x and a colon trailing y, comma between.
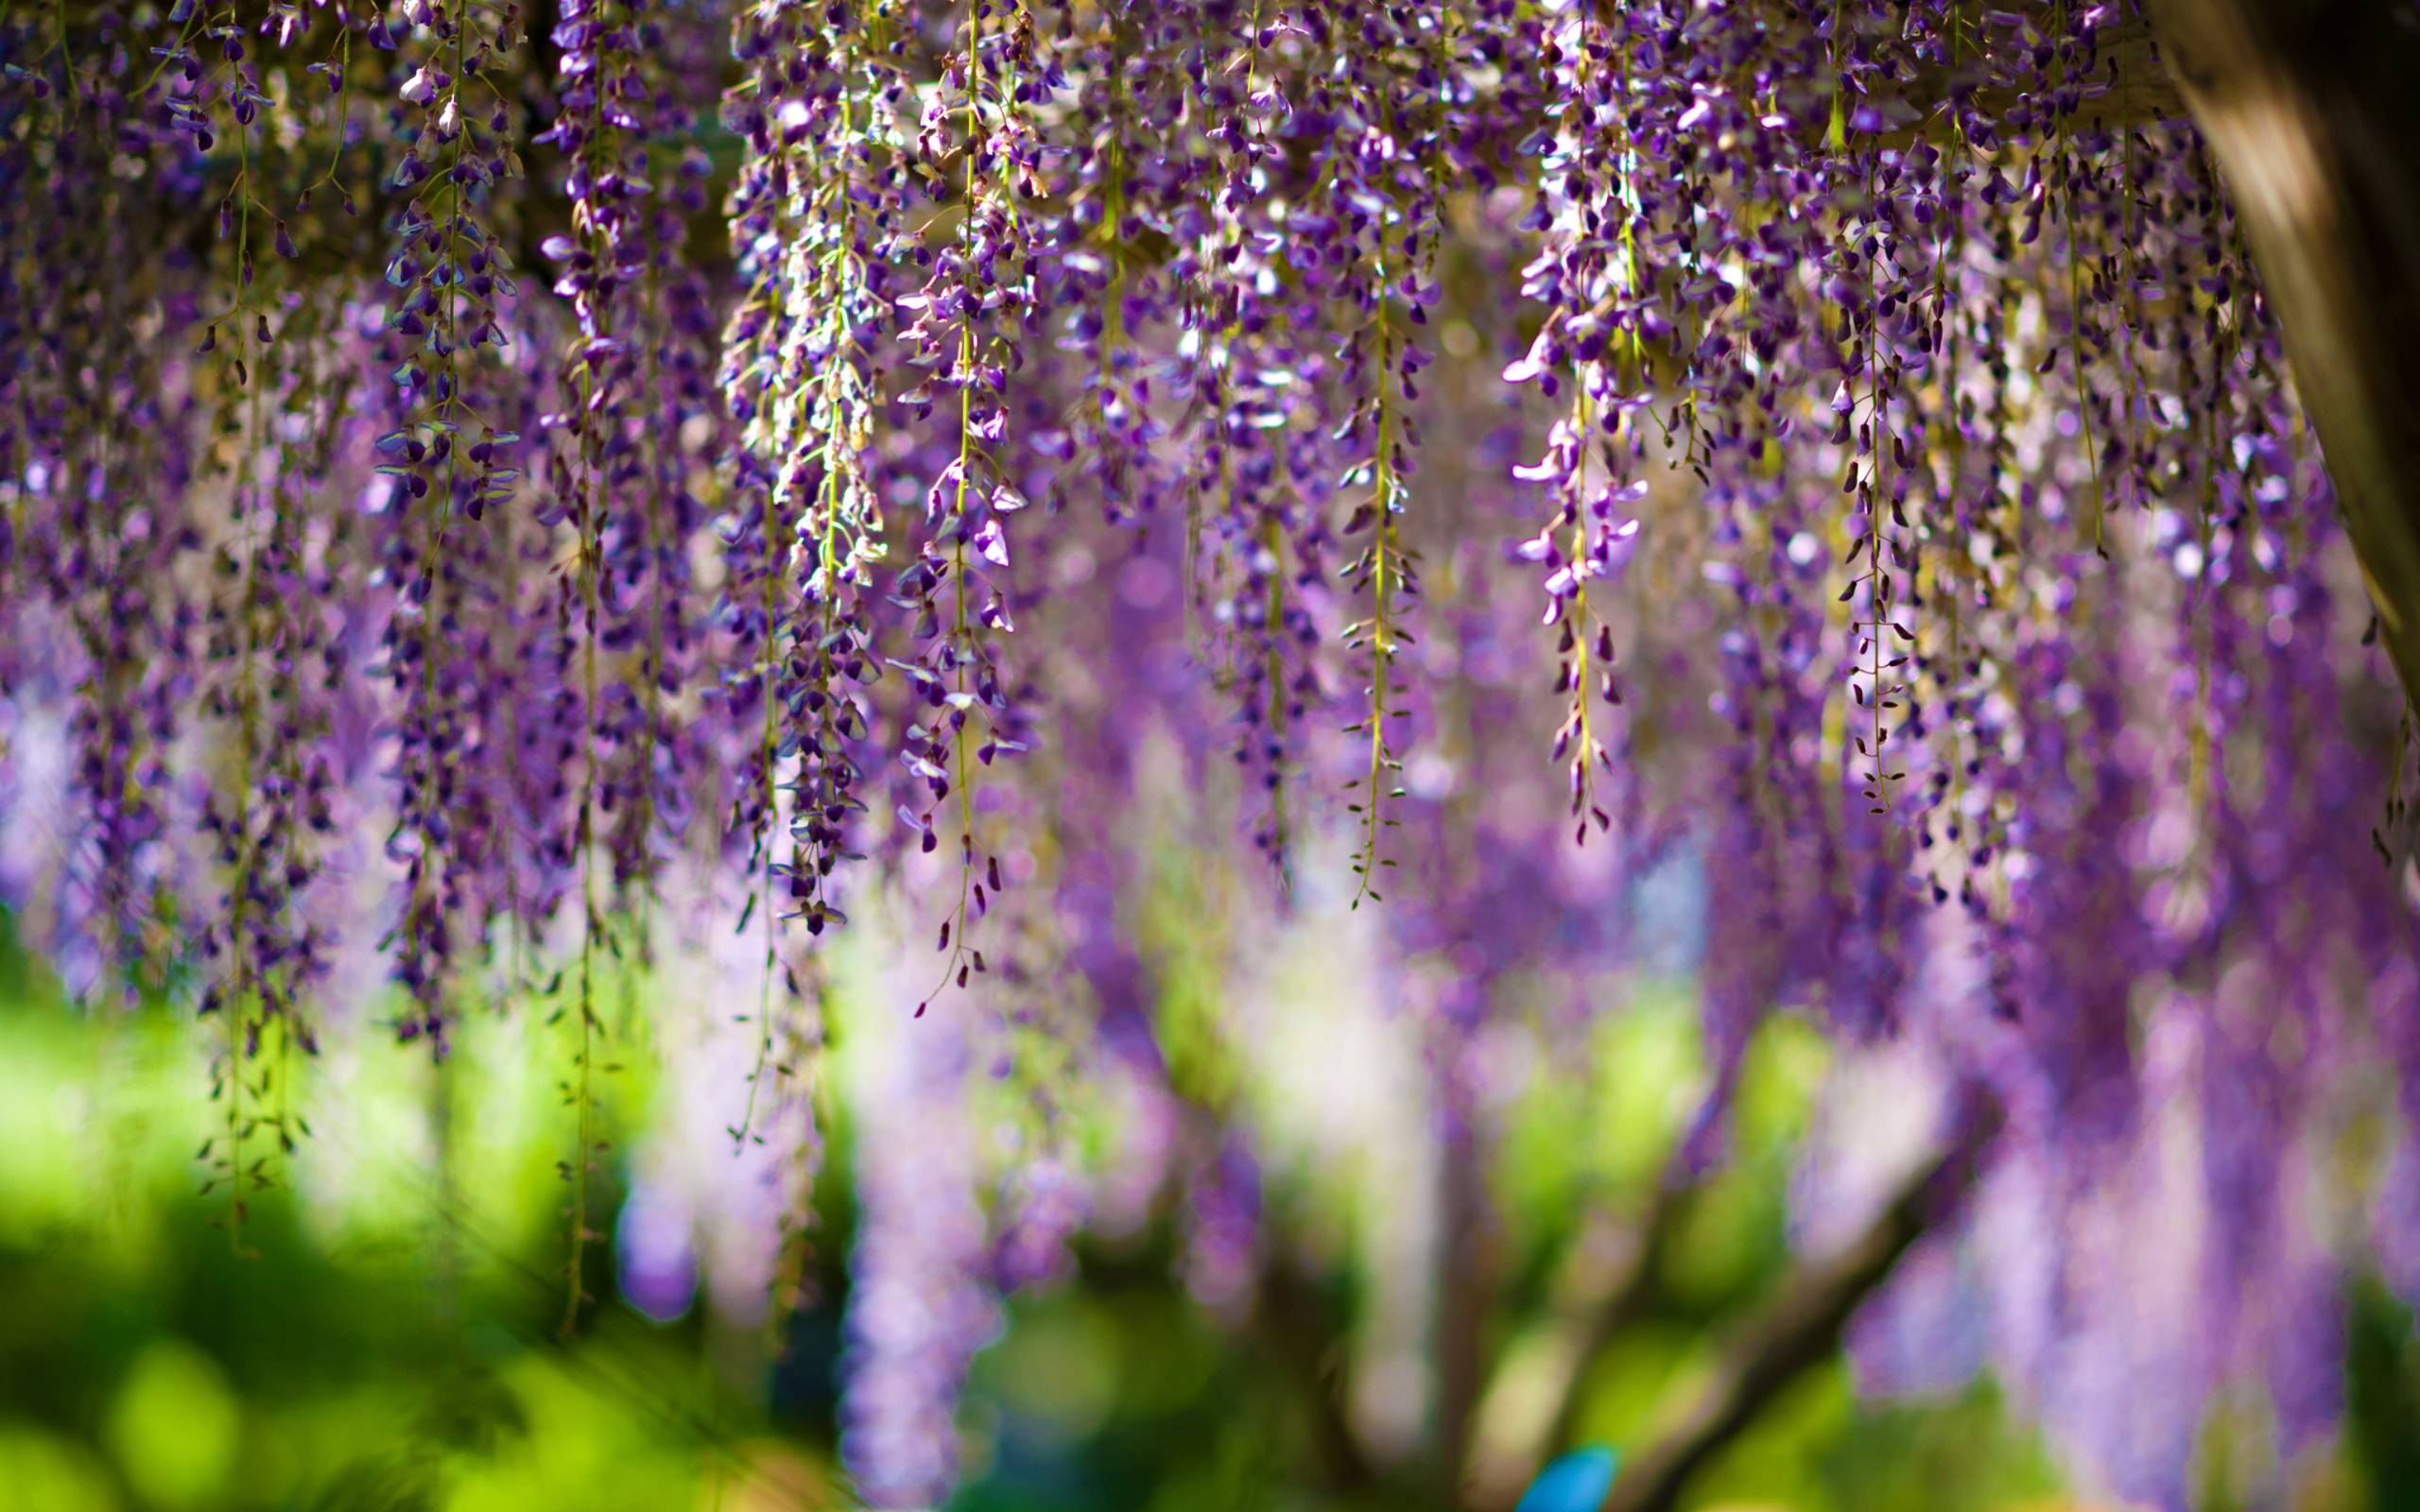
x: 2312, y: 108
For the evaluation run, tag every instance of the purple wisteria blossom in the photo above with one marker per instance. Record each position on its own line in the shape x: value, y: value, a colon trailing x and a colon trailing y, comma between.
x: 506, y: 504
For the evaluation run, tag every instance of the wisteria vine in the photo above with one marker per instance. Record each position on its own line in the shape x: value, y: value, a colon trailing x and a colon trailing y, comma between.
x: 657, y: 465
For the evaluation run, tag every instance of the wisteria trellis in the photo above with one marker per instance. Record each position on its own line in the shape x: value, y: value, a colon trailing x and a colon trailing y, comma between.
x: 427, y: 423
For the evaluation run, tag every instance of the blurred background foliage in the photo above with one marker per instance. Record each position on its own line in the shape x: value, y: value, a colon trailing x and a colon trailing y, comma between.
x: 386, y: 1337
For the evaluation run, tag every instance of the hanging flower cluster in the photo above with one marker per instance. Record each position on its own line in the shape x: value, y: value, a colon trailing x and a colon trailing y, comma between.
x: 658, y: 471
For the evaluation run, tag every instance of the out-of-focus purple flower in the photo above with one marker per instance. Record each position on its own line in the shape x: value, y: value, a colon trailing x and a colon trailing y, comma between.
x: 1223, y: 1230
x: 656, y: 1253
x: 920, y: 1302
x: 1043, y: 1208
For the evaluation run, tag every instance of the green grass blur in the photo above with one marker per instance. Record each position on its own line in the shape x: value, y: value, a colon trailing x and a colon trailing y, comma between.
x: 385, y: 1335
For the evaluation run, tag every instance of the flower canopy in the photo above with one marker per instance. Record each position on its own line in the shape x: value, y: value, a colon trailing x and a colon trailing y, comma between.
x: 487, y: 495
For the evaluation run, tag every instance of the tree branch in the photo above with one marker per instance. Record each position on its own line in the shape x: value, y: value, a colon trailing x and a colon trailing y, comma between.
x: 1800, y: 1328
x: 1467, y: 1268
x: 1299, y: 1334
x: 1529, y: 1410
